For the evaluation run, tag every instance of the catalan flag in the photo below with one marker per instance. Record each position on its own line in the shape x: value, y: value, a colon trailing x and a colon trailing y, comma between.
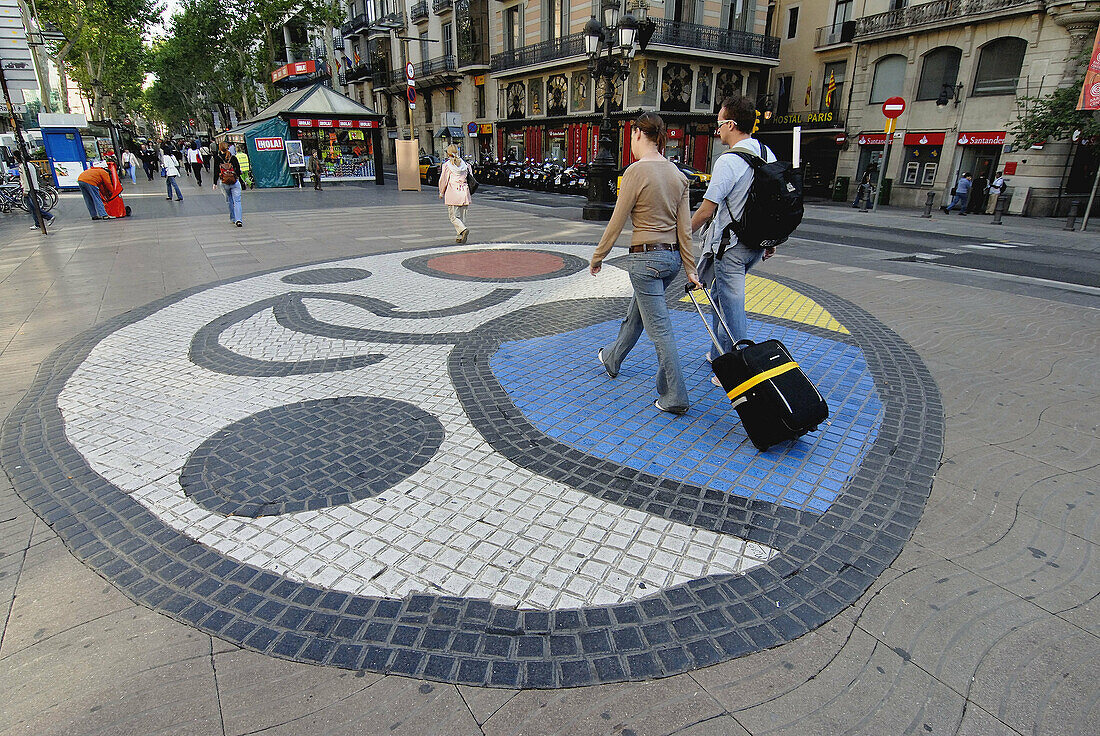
x: 829, y: 91
x: 809, y: 92
x: 356, y: 53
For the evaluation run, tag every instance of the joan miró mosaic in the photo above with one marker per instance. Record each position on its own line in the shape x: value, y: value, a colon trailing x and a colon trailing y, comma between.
x: 412, y: 463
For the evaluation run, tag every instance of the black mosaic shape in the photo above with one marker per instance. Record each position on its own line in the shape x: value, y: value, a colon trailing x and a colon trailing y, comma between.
x: 319, y: 276
x: 571, y: 264
x: 281, y: 460
x: 830, y: 563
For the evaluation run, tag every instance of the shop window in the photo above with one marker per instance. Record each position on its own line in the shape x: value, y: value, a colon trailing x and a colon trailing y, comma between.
x: 832, y: 86
x: 940, y: 69
x: 999, y: 67
x: 792, y: 23
x: 889, y: 78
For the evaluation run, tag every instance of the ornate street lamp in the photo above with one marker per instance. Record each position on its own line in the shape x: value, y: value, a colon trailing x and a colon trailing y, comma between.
x: 610, y: 46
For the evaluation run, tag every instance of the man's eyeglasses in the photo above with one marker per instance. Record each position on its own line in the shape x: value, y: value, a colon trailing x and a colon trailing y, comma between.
x: 718, y: 128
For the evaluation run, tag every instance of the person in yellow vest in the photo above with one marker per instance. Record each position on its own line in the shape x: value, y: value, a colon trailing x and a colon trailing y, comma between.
x: 246, y: 170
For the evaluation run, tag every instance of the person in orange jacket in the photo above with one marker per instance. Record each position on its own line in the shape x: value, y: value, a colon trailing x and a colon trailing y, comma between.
x: 93, y: 183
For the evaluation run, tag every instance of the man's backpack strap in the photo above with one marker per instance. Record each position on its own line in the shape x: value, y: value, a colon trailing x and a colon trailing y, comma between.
x: 753, y: 161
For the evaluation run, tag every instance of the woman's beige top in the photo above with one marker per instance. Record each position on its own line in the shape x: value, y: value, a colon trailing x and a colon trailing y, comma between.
x: 655, y: 196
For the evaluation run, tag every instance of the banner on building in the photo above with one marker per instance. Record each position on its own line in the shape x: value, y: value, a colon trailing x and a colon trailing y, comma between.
x: 1090, y: 90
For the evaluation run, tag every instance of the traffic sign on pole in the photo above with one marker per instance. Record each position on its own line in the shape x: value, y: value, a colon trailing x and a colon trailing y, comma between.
x: 891, y: 125
x: 409, y: 74
x: 412, y: 97
x: 893, y: 107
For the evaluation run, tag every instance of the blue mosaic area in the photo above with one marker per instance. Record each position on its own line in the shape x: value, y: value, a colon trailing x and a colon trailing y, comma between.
x: 562, y: 390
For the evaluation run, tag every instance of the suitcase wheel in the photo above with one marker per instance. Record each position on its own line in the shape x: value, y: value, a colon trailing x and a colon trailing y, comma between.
x: 127, y: 210
x: 758, y: 446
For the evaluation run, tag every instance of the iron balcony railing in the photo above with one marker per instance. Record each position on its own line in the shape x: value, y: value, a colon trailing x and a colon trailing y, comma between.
x: 422, y: 71
x: 442, y: 6
x: 836, y: 33
x: 708, y: 38
x: 357, y: 73
x: 904, y: 19
x: 419, y: 12
x: 358, y: 24
x: 537, y: 53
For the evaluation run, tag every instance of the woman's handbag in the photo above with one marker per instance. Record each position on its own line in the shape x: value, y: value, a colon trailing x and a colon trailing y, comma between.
x: 471, y: 182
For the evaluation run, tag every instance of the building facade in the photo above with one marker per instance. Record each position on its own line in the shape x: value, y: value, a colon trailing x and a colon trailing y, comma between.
x: 510, y: 79
x: 965, y: 69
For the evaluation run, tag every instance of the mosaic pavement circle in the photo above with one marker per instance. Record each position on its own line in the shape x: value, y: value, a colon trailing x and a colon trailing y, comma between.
x: 416, y: 472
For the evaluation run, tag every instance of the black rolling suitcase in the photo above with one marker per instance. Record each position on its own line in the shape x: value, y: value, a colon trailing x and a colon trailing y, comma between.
x: 773, y: 397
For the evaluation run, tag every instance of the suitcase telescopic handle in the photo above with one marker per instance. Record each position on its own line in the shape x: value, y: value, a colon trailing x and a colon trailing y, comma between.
x: 690, y: 289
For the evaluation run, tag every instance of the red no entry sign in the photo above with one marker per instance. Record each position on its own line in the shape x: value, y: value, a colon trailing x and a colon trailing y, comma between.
x: 893, y: 107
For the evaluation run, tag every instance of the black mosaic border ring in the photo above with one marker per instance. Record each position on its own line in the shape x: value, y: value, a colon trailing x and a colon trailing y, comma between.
x: 319, y: 276
x: 571, y: 264
x: 473, y: 642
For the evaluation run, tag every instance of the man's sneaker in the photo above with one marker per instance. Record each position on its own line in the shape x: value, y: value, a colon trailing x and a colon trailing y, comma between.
x: 34, y: 227
x: 677, y: 412
x: 599, y: 356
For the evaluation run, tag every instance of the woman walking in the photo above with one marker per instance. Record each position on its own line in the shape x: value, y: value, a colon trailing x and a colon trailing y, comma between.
x: 129, y: 163
x: 454, y: 190
x: 227, y: 171
x: 315, y: 169
x: 171, y: 170
x: 194, y: 160
x: 654, y: 194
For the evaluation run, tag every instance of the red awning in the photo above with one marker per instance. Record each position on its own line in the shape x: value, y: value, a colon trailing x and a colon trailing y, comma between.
x: 981, y: 138
x: 924, y: 139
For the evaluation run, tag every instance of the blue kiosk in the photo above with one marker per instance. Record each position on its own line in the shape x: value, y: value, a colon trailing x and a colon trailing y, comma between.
x: 65, y: 147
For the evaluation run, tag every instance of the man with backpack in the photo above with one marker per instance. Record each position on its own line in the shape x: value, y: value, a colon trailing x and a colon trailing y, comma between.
x: 748, y: 209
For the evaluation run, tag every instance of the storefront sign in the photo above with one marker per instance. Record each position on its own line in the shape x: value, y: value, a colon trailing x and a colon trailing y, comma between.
x: 981, y: 138
x: 294, y: 69
x: 268, y: 144
x: 314, y: 123
x: 675, y: 134
x: 479, y: 80
x: 1010, y: 168
x: 924, y: 139
x: 805, y: 119
x: 1090, y: 87
x: 295, y: 158
x: 873, y: 139
x: 485, y: 129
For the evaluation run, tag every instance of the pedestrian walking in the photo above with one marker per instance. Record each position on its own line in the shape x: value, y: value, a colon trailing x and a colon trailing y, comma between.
x: 148, y: 160
x: 454, y: 190
x: 204, y: 151
x: 129, y: 163
x: 960, y: 195
x: 996, y: 186
x: 33, y: 207
x: 171, y: 171
x: 246, y: 168
x: 724, y: 261
x: 315, y: 169
x: 863, y: 190
x: 93, y: 183
x: 654, y: 195
x: 228, y: 172
x: 194, y: 160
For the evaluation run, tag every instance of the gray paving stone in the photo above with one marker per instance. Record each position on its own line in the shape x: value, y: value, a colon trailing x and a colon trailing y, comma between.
x: 654, y: 707
x: 865, y: 689
x: 958, y: 521
x: 1069, y: 501
x: 483, y: 702
x: 717, y: 726
x: 976, y: 722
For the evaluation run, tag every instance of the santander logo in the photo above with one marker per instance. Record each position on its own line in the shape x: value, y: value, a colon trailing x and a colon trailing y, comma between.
x: 924, y: 140
x: 963, y: 140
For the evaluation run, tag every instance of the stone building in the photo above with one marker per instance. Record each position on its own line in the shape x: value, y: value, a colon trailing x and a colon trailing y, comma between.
x: 516, y: 70
x: 964, y: 68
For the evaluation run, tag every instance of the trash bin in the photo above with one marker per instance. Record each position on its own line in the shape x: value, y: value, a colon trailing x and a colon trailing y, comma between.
x: 884, y: 198
x: 840, y: 188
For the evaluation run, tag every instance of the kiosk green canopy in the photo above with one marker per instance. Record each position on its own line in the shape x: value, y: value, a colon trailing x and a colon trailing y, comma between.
x: 322, y: 120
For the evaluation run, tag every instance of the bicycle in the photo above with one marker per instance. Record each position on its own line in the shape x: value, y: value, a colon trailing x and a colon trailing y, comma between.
x: 13, y: 196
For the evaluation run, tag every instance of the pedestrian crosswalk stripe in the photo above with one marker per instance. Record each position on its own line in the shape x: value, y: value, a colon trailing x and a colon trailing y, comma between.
x: 1003, y: 245
x: 978, y: 247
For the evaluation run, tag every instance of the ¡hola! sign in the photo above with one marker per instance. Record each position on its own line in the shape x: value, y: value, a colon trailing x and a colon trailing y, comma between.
x: 268, y: 144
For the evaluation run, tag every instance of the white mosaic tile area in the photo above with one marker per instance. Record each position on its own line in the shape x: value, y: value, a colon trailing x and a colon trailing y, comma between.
x: 469, y: 523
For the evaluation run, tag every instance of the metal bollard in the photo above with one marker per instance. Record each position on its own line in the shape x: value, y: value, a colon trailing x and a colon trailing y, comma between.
x: 1074, y: 209
x: 929, y: 200
x: 865, y: 201
x: 999, y: 208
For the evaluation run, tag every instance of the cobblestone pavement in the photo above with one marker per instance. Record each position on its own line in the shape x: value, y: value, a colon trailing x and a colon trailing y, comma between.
x: 347, y: 496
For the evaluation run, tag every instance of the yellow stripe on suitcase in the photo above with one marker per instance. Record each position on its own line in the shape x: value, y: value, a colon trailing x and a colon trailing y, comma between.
x: 760, y: 377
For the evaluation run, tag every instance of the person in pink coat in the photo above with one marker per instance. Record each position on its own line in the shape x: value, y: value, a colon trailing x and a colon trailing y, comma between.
x: 455, y: 191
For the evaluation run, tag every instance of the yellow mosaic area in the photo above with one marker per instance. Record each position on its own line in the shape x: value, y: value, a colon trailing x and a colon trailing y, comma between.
x: 764, y: 296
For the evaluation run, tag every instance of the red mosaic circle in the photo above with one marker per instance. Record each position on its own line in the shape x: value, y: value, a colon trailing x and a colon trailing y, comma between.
x: 498, y: 264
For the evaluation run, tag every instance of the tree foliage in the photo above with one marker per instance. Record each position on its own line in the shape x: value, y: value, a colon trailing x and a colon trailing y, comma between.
x: 1054, y: 117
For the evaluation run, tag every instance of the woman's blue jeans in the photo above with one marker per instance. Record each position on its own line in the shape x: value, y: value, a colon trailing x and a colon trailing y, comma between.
x: 650, y: 274
x: 233, y: 199
x: 726, y: 279
x: 170, y: 184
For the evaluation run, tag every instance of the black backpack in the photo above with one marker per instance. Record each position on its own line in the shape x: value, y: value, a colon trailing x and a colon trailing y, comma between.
x: 773, y: 209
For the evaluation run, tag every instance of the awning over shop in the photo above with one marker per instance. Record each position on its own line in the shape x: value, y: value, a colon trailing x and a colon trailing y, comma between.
x: 450, y: 132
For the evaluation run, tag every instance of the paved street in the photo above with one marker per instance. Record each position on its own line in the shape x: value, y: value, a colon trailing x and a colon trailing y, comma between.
x: 332, y: 473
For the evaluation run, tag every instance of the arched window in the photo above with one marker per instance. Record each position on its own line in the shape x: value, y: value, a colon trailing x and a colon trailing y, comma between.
x: 999, y: 67
x: 940, y: 69
x: 889, y: 77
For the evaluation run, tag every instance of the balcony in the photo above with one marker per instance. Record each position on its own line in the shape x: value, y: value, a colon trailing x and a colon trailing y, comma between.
x: 385, y: 24
x: 428, y: 73
x: 357, y: 73
x: 709, y: 38
x: 356, y: 25
x: 560, y: 49
x: 940, y: 12
x: 419, y: 12
x: 835, y: 34
x: 442, y: 6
